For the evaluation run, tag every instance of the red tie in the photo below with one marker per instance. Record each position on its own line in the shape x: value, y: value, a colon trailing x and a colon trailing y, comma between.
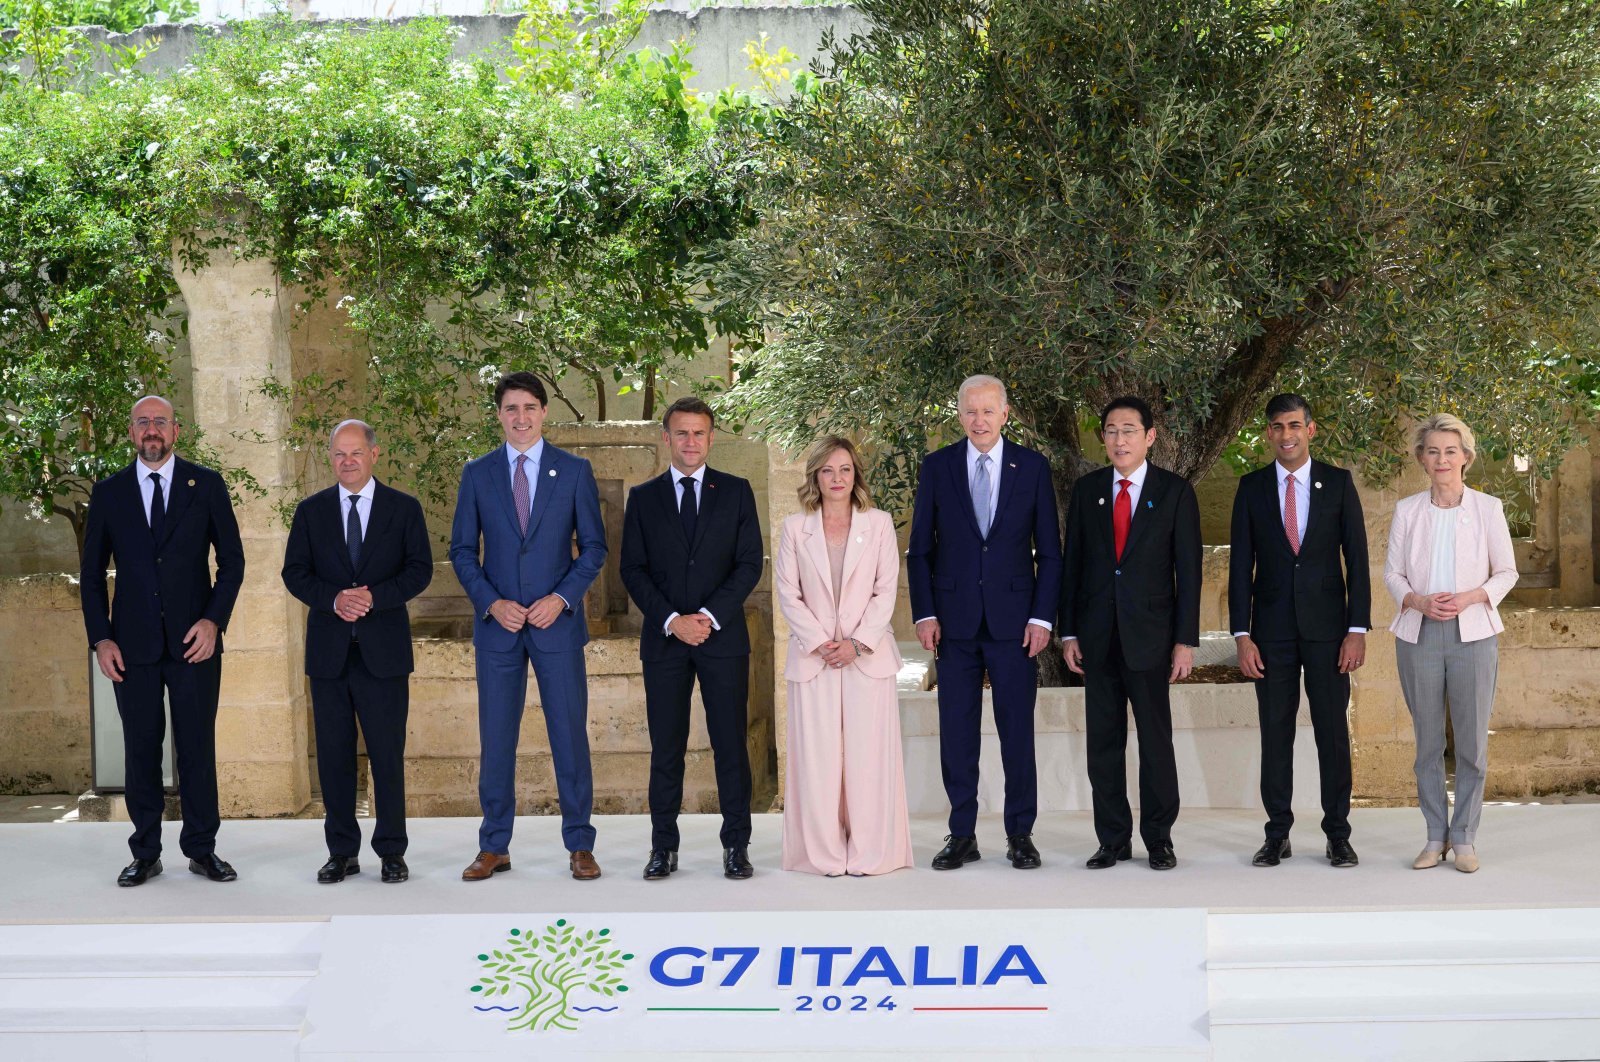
x: 1122, y: 516
x: 1291, y: 515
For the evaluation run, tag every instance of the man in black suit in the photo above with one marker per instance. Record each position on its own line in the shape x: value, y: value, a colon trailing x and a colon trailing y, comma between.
x: 1130, y: 622
x: 357, y: 552
x: 691, y: 554
x: 1293, y: 608
x: 158, y: 521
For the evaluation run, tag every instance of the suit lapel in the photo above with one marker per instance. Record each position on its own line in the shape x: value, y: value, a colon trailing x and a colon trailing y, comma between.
x: 1008, y: 483
x: 816, y: 548
x: 958, y: 476
x: 1314, y: 506
x: 337, y: 520
x: 499, y: 471
x: 670, y: 506
x: 708, y: 504
x: 1267, y: 498
x: 547, y: 474
x: 853, y: 547
x: 1149, y: 501
x: 377, y: 523
x: 179, y: 493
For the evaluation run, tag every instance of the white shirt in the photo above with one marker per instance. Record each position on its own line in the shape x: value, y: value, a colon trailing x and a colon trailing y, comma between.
x: 698, y: 478
x: 147, y: 488
x: 1302, y: 510
x: 1442, y: 580
x: 1135, y: 480
x: 535, y: 453
x: 363, y: 507
x: 995, y: 454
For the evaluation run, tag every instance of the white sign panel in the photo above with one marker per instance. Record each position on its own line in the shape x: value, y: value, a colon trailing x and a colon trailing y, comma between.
x: 539, y: 984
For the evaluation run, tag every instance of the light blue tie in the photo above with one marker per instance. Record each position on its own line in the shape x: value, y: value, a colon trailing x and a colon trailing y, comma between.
x: 980, y: 494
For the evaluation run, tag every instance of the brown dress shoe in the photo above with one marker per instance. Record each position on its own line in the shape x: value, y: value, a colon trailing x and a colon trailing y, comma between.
x: 584, y: 868
x: 486, y: 865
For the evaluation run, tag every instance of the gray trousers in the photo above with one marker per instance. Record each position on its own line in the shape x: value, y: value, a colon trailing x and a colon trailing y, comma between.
x: 1439, y: 673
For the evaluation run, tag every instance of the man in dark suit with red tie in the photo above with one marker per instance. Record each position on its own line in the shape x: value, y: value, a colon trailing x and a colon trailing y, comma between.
x: 158, y: 521
x: 983, y: 567
x: 1130, y: 622
x: 1295, y: 608
x: 357, y: 552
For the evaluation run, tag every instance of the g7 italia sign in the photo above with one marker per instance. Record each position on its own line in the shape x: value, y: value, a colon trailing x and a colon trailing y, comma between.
x: 536, y: 985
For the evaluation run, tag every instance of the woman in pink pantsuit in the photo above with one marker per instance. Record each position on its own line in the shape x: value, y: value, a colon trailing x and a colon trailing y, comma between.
x: 837, y: 569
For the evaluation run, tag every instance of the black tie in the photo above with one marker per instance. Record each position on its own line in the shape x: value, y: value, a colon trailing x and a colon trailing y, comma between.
x: 352, y: 533
x: 158, y: 507
x: 687, y: 511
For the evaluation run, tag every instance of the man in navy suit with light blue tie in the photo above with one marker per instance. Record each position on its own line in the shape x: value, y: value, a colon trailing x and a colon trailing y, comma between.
x: 984, y: 568
x: 524, y: 503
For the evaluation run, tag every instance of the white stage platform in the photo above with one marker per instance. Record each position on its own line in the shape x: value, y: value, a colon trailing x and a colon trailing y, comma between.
x: 1216, y: 959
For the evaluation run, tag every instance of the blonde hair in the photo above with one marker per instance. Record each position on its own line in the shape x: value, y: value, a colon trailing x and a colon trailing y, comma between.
x: 1445, y: 422
x: 816, y: 456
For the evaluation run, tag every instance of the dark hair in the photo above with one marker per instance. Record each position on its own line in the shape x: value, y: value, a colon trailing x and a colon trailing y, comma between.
x: 1278, y: 405
x: 687, y: 404
x: 1133, y: 402
x: 522, y: 380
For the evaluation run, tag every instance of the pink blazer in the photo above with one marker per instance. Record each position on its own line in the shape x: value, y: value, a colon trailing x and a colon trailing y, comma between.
x: 1484, y: 557
x: 804, y: 582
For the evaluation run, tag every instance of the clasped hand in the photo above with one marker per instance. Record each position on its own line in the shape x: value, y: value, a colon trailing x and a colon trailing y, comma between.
x: 837, y: 654
x: 350, y: 605
x: 513, y: 617
x: 692, y: 628
x: 1437, y: 606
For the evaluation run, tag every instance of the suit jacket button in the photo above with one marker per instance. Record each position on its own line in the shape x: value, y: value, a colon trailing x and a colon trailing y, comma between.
x: 1119, y: 571
x: 691, y: 562
x: 986, y: 549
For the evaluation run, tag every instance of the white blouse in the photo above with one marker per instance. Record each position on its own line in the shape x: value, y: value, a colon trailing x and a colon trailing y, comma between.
x: 1442, y: 580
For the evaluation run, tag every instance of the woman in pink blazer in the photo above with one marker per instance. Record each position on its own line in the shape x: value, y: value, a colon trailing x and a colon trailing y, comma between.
x: 1450, y: 563
x: 837, y: 569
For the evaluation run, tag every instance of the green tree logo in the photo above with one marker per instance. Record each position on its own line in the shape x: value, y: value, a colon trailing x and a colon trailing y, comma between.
x: 547, y: 969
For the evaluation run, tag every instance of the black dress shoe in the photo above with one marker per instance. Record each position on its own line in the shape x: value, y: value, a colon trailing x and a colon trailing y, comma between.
x: 956, y: 853
x: 663, y: 861
x: 1022, y: 853
x: 1162, y: 857
x: 395, y: 869
x: 1340, y: 854
x: 212, y: 867
x: 735, y: 863
x: 138, y: 872
x: 1107, y: 856
x: 1271, y: 852
x: 336, y: 869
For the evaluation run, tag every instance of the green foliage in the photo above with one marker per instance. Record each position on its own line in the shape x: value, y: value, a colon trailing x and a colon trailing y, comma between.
x: 467, y: 217
x: 1392, y: 207
x: 547, y: 968
x: 119, y: 16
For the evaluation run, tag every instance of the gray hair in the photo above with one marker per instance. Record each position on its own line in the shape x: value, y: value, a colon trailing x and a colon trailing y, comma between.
x: 974, y: 383
x: 171, y: 409
x: 372, y: 436
x: 1446, y: 422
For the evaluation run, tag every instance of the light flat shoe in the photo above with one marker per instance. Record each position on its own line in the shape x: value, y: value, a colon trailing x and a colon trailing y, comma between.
x: 1466, y: 862
x: 1426, y: 859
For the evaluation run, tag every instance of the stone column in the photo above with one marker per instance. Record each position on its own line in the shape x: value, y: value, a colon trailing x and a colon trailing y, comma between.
x: 783, y: 480
x: 239, y: 324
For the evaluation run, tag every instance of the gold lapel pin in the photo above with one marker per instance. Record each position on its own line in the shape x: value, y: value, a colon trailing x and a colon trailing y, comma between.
x: 191, y: 483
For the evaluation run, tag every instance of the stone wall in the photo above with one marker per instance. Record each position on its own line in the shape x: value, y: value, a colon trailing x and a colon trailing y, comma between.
x: 44, y: 687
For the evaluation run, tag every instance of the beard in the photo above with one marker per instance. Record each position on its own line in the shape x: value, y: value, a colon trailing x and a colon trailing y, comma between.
x: 154, y: 450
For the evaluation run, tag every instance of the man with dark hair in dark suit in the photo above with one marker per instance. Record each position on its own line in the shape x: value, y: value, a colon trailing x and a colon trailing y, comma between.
x: 158, y: 521
x: 357, y: 552
x: 691, y: 554
x: 1130, y: 622
x: 984, y: 567
x: 1294, y: 607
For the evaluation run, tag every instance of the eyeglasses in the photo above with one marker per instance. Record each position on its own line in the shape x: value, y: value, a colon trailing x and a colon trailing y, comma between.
x: 158, y: 423
x: 1123, y: 433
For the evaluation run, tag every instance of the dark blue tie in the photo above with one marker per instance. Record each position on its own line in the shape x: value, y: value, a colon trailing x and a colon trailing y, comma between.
x: 158, y: 508
x: 687, y: 512
x: 352, y: 534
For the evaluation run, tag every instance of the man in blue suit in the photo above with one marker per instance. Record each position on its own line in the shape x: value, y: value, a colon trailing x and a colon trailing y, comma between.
x: 984, y: 567
x: 159, y: 521
x: 523, y: 503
